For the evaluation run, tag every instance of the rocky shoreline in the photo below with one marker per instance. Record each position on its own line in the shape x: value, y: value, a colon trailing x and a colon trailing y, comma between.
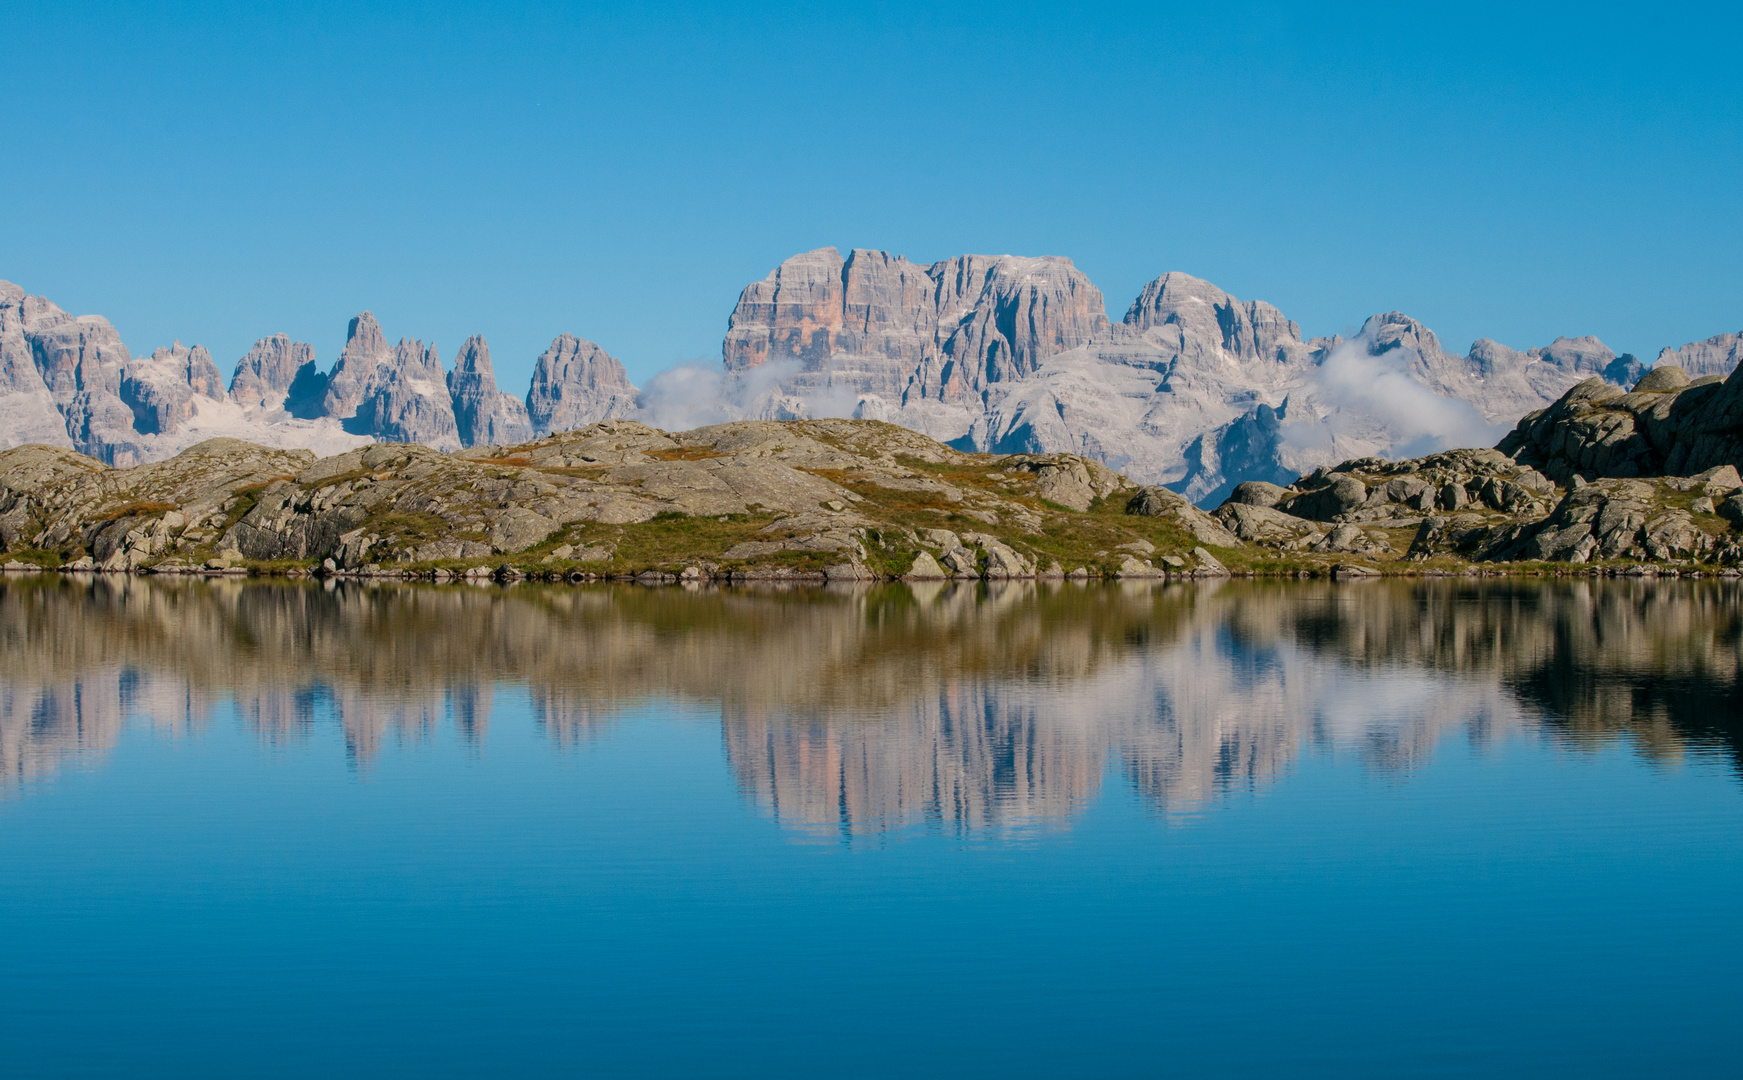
x: 1582, y: 488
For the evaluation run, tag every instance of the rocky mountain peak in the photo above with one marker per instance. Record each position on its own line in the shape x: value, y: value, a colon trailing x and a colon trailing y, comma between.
x: 352, y: 377
x: 77, y: 363
x: 1718, y: 355
x: 877, y: 323
x: 278, y: 373
x: 1395, y: 330
x: 396, y: 394
x: 484, y: 415
x: 363, y: 335
x: 1250, y: 330
x: 161, y: 388
x: 473, y: 359
x: 29, y: 413
x: 1014, y: 313
x: 576, y: 383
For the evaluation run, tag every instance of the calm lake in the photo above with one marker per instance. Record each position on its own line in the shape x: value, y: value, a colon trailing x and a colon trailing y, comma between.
x: 1237, y: 828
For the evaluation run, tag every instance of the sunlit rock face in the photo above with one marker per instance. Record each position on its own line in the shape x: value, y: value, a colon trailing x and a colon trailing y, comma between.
x: 1716, y: 355
x: 576, y: 383
x: 161, y: 388
x: 278, y: 373
x: 485, y: 415
x: 1194, y: 388
x: 1669, y: 424
x: 393, y: 393
x: 49, y: 358
x: 851, y: 712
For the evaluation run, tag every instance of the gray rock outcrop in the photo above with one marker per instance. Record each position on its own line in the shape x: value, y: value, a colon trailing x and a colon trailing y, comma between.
x: 161, y: 388
x: 1648, y: 474
x: 392, y: 393
x: 1162, y: 503
x: 1668, y: 425
x: 278, y: 373
x: 846, y: 500
x: 576, y: 383
x: 484, y: 415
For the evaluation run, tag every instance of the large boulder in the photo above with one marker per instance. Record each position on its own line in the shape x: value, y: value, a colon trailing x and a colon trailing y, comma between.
x: 1330, y: 502
x: 1258, y: 493
x: 1159, y: 502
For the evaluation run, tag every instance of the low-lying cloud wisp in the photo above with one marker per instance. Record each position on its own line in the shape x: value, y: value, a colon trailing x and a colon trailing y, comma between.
x: 1363, y: 398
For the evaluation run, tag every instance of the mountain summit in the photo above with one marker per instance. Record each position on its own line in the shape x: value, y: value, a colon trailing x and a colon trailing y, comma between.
x: 1193, y: 388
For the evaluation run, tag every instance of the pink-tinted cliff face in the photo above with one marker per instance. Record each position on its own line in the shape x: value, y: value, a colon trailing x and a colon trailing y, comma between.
x: 880, y: 323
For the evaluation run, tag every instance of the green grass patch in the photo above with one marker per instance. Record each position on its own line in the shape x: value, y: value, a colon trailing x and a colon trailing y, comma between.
x: 668, y: 542
x: 410, y: 528
x: 41, y: 557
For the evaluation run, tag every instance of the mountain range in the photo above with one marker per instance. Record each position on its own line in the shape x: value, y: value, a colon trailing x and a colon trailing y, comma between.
x: 1192, y: 388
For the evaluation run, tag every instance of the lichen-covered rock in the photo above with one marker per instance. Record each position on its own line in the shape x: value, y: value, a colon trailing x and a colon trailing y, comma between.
x: 1263, y: 524
x: 1162, y: 503
x: 778, y: 489
x: 1352, y: 538
x: 1257, y: 493
x: 1668, y: 425
x: 1328, y: 502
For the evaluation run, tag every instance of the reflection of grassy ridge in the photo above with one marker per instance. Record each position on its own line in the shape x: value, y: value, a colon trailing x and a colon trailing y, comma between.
x: 812, y: 645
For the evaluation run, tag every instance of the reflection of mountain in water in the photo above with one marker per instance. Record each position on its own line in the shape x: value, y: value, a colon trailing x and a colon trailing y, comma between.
x: 864, y: 710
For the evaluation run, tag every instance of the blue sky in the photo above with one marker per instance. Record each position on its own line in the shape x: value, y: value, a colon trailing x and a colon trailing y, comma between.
x: 215, y: 174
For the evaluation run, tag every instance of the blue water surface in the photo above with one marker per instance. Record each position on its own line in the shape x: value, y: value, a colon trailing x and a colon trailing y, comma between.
x: 195, y: 898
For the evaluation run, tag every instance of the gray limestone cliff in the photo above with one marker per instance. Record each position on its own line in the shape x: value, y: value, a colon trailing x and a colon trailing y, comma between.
x: 1715, y: 356
x: 161, y: 388
x: 485, y: 415
x: 1194, y: 388
x: 576, y: 383
x: 875, y: 322
x: 28, y: 411
x: 78, y: 362
x: 278, y: 373
x: 393, y: 393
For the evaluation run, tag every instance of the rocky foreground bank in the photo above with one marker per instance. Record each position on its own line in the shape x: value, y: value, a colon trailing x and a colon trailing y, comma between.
x: 757, y: 500
x: 1587, y: 485
x: 1638, y: 481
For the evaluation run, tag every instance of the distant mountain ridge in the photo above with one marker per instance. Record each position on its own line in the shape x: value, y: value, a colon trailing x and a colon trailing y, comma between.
x: 1192, y: 388
x: 69, y: 381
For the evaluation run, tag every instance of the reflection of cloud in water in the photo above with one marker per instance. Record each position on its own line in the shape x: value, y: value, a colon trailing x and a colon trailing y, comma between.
x: 862, y: 710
